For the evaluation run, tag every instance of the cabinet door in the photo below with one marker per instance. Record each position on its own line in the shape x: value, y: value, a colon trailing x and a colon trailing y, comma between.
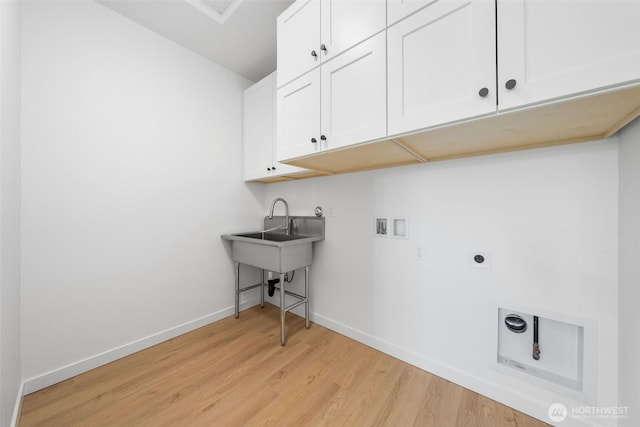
x: 278, y: 168
x: 259, y: 128
x: 552, y: 49
x: 299, y: 117
x: 354, y: 95
x: 399, y: 9
x: 346, y: 23
x: 298, y: 40
x: 441, y: 65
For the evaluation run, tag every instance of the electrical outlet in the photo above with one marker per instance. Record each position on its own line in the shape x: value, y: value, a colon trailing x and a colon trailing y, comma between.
x: 479, y: 259
x: 419, y: 253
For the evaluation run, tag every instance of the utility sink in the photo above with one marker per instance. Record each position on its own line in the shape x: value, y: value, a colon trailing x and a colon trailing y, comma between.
x: 274, y: 250
x: 283, y: 245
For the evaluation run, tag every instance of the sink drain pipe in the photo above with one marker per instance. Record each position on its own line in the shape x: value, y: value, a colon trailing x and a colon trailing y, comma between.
x: 271, y: 283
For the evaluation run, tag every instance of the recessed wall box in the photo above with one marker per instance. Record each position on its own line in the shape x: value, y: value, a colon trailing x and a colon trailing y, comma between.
x: 400, y: 227
x: 560, y: 358
x: 381, y: 225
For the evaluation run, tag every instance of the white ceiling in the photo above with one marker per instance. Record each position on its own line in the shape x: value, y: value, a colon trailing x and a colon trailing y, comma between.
x: 237, y: 34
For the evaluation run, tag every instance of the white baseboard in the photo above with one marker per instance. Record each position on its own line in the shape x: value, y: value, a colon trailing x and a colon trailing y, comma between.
x: 513, y: 398
x: 63, y: 373
x: 18, y: 406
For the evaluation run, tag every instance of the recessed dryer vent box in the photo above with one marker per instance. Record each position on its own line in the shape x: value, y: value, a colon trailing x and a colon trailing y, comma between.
x: 561, y: 363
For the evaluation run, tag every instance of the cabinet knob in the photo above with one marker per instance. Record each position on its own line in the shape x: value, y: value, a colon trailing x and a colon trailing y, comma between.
x: 273, y: 168
x: 510, y: 84
x: 313, y: 140
x: 314, y: 54
x: 323, y: 138
x: 483, y: 92
x: 323, y: 48
x: 268, y: 169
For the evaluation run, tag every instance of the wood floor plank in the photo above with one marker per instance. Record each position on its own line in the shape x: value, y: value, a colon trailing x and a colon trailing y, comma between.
x: 402, y: 411
x: 235, y: 373
x: 368, y: 400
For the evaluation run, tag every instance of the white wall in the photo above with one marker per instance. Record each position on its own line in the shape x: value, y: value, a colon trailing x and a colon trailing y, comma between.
x: 132, y: 169
x: 10, y: 369
x: 548, y: 218
x: 630, y: 271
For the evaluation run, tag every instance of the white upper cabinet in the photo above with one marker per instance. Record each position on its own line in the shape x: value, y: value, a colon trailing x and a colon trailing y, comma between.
x: 341, y: 103
x: 353, y: 101
x: 551, y: 49
x: 313, y: 31
x: 298, y: 40
x: 299, y: 117
x: 433, y: 77
x: 259, y: 119
x: 260, y: 133
x: 441, y: 65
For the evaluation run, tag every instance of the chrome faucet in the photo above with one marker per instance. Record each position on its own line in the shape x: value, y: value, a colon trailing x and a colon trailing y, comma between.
x: 286, y: 212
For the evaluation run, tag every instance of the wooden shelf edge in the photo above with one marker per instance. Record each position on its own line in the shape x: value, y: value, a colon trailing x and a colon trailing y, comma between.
x: 290, y: 177
x: 577, y: 119
x: 517, y: 148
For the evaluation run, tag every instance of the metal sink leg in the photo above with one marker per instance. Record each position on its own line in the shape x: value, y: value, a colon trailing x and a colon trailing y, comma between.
x: 237, y: 272
x: 282, y: 310
x: 306, y: 295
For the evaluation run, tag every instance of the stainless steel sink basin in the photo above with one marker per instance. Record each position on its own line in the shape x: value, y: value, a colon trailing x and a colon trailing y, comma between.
x: 275, y: 250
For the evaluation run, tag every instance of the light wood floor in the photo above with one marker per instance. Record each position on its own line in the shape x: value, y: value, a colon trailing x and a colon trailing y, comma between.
x: 235, y: 373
